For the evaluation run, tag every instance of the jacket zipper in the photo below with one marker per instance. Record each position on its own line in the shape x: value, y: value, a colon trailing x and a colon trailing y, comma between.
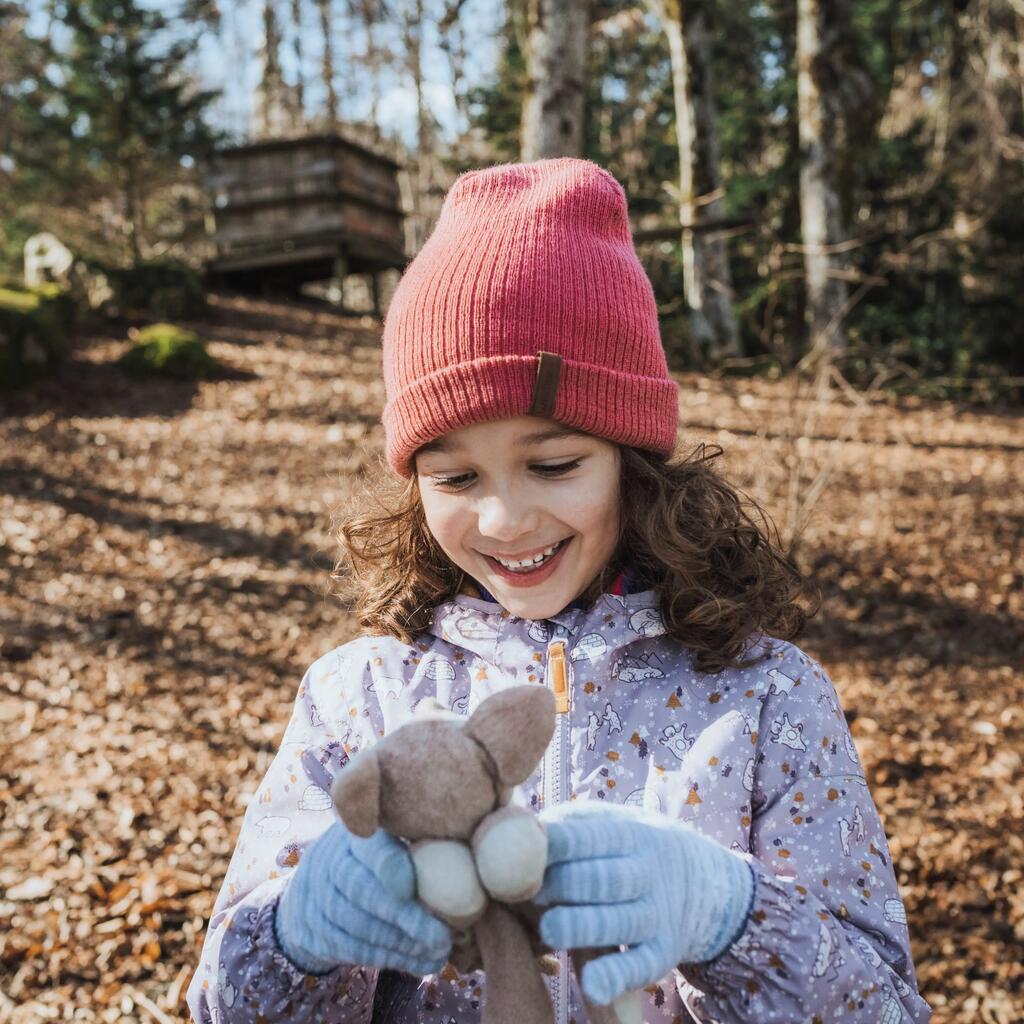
x: 554, y: 794
x: 559, y: 681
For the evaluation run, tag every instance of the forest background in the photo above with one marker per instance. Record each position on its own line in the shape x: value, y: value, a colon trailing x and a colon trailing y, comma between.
x: 827, y: 195
x: 880, y: 216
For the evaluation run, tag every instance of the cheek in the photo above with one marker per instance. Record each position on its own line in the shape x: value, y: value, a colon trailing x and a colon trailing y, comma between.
x: 445, y: 522
x: 596, y: 510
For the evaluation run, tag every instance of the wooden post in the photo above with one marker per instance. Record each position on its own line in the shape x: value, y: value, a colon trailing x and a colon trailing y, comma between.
x: 340, y: 273
x: 375, y: 291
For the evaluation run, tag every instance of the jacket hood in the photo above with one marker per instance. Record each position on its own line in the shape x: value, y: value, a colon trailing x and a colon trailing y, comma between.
x: 613, y: 622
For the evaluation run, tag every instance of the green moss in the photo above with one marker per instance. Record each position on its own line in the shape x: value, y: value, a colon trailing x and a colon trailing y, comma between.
x: 21, y: 301
x: 171, y: 351
x: 33, y: 325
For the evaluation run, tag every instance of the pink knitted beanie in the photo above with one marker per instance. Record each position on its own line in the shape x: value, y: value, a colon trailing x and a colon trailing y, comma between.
x: 527, y: 299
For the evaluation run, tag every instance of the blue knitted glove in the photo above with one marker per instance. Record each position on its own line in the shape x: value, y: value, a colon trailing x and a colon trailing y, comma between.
x: 625, y: 877
x: 351, y: 900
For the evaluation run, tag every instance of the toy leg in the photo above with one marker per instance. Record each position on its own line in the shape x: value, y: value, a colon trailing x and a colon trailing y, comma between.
x: 515, y: 989
x: 625, y: 1010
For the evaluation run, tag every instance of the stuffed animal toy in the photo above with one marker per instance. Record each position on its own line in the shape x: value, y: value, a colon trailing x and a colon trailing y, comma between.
x: 442, y: 782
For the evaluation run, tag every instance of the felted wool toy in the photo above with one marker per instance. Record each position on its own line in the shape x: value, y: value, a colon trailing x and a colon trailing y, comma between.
x: 443, y: 782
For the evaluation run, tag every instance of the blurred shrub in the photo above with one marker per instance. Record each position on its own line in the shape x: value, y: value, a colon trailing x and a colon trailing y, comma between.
x: 164, y: 290
x: 171, y: 351
x: 33, y: 331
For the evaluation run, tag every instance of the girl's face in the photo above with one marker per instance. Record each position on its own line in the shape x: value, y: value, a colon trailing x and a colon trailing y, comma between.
x: 513, y: 489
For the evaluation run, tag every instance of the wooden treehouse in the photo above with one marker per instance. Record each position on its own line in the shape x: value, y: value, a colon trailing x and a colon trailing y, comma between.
x: 313, y: 208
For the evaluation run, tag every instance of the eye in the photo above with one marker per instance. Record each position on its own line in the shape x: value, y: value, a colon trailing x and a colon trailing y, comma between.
x: 460, y: 482
x: 453, y: 483
x: 558, y: 470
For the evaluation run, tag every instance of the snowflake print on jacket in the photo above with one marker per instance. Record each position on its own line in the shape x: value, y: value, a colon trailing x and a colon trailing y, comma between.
x: 760, y: 760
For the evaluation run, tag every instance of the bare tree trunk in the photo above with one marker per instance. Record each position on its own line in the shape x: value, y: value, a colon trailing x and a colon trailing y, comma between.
x: 324, y: 6
x: 820, y: 213
x: 268, y: 105
x: 556, y: 54
x: 277, y: 110
x: 1018, y: 7
x: 424, y: 136
x: 453, y: 42
x: 134, y: 218
x: 297, y: 45
x: 369, y: 13
x: 707, y: 279
x: 422, y: 171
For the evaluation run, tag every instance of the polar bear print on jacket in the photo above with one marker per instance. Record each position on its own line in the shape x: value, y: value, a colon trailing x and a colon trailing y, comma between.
x: 827, y: 958
x: 612, y: 718
x: 781, y: 683
x: 674, y: 738
x: 854, y: 827
x: 392, y: 688
x: 751, y: 808
x: 788, y: 734
x: 470, y: 625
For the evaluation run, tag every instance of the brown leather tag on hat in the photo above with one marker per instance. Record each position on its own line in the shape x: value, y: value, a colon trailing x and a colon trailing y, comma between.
x: 545, y: 386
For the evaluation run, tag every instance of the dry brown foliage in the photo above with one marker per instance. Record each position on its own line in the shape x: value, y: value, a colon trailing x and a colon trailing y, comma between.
x: 164, y: 550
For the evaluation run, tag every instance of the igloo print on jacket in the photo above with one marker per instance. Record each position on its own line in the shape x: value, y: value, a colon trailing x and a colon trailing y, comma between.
x: 735, y: 782
x: 589, y: 648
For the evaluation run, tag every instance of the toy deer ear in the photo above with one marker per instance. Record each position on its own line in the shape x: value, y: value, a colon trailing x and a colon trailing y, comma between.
x: 515, y: 727
x: 356, y: 794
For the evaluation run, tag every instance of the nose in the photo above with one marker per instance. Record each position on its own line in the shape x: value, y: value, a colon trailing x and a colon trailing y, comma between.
x: 506, y: 518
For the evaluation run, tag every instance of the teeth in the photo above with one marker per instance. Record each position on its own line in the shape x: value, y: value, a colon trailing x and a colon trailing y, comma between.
x: 529, y: 562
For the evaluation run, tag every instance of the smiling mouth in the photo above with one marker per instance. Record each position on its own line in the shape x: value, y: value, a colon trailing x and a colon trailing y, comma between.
x: 523, y: 566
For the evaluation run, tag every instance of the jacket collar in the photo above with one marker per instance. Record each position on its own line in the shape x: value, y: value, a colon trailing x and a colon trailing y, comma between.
x: 614, y: 620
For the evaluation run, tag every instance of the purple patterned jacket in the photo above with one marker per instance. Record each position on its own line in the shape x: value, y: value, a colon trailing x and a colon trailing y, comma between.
x: 760, y: 760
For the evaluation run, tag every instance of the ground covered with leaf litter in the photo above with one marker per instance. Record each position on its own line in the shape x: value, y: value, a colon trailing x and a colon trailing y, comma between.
x: 163, y: 554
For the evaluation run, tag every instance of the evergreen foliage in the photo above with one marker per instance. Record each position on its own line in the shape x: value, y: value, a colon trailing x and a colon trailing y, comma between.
x: 496, y: 106
x: 100, y: 126
x: 931, y: 182
x: 100, y: 116
x: 163, y: 289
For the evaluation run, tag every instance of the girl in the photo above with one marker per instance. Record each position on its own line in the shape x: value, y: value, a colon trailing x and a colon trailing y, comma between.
x: 707, y: 814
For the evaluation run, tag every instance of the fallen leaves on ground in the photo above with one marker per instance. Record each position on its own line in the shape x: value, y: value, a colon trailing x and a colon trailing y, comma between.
x: 164, y: 550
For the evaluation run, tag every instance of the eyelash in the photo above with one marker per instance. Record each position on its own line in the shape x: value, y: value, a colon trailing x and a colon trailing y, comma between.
x: 453, y: 482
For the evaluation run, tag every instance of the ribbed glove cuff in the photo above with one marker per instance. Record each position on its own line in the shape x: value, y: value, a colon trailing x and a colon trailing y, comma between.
x: 290, y: 912
x: 730, y: 890
x: 304, y: 961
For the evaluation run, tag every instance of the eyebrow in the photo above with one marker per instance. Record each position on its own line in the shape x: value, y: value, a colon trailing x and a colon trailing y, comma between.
x: 551, y: 434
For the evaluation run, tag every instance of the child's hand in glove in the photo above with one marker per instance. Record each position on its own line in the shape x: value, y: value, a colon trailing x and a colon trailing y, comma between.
x: 621, y: 877
x: 351, y: 900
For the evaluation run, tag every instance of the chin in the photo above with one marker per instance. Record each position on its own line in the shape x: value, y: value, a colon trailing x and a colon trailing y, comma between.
x: 536, y: 608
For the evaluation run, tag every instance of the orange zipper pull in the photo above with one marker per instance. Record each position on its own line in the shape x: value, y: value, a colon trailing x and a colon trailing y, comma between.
x: 559, y: 677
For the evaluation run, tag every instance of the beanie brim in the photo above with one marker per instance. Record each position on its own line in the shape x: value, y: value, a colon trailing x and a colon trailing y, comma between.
x: 642, y: 412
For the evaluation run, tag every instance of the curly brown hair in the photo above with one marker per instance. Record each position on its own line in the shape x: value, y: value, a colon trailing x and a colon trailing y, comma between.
x: 721, y: 577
